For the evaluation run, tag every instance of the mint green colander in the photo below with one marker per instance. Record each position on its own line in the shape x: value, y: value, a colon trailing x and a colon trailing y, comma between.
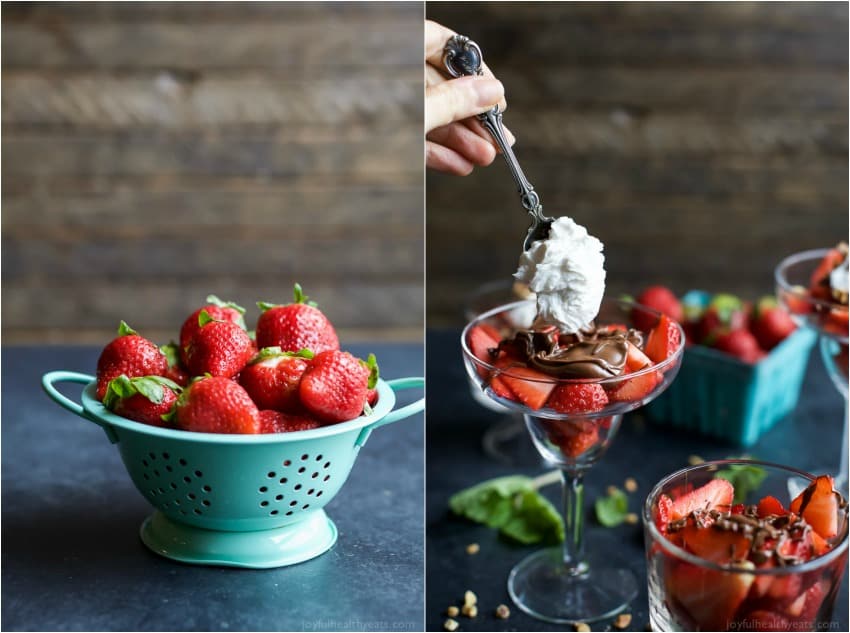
x: 237, y: 500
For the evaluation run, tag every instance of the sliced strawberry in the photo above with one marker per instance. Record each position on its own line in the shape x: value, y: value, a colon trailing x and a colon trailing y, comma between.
x: 532, y: 387
x: 761, y: 620
x: 636, y: 359
x: 717, y: 493
x: 658, y: 298
x: 578, y: 398
x: 771, y: 506
x: 819, y: 506
x: 663, y: 340
x: 634, y: 389
x: 796, y: 302
x: 710, y: 597
x: 805, y: 608
x: 785, y: 589
x: 820, y: 545
x: 481, y: 342
x: 501, y: 389
x: 718, y: 546
x: 664, y: 509
x: 574, y: 444
x: 836, y: 322
x: 833, y: 258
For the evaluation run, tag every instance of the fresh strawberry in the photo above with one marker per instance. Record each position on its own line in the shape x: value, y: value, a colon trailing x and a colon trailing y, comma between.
x: 663, y: 340
x: 176, y: 371
x: 578, y: 398
x: 272, y: 378
x: 219, y: 311
x: 796, y: 302
x: 481, y: 342
x: 277, y: 422
x: 372, y: 397
x: 131, y: 355
x: 836, y: 321
x: 718, y: 546
x: 805, y: 608
x: 334, y: 386
x: 771, y: 324
x: 771, y: 506
x: 661, y: 300
x: 575, y: 442
x: 216, y: 405
x: 295, y: 326
x: 717, y: 493
x: 143, y: 398
x: 740, y: 344
x: 530, y: 386
x: 219, y: 348
x: 819, y: 506
x: 710, y: 597
x: 635, y: 358
x: 664, y: 509
x: 724, y: 312
x: 633, y: 389
x: 820, y: 276
x: 761, y: 620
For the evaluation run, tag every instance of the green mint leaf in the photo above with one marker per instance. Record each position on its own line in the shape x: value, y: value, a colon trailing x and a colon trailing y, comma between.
x: 745, y: 479
x: 611, y: 510
x: 213, y: 300
x: 512, y: 505
x: 125, y: 330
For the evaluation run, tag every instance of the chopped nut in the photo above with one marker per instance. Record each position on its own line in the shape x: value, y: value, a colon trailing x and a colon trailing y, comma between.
x: 452, y: 611
x: 503, y: 612
x: 582, y: 626
x: 450, y: 625
x: 695, y: 460
x: 473, y: 548
x: 469, y: 610
x: 469, y: 599
x: 631, y: 518
x: 630, y: 485
x: 612, y: 490
x: 622, y: 621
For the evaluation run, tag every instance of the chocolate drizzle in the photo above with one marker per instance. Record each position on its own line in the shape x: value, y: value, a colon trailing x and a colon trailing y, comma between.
x: 596, y: 352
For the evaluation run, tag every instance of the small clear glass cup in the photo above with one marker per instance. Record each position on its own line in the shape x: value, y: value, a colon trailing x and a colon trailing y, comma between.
x: 569, y: 584
x: 829, y: 319
x: 688, y: 593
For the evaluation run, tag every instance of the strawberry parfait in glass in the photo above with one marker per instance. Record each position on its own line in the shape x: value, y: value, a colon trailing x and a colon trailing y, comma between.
x: 572, y: 364
x: 724, y: 557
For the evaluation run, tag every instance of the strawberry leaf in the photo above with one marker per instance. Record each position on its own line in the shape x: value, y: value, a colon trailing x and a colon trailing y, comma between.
x: 150, y: 389
x: 213, y: 300
x: 300, y: 297
x: 303, y: 353
x: 264, y: 305
x: 371, y: 363
x: 125, y: 330
x: 118, y: 388
x: 204, y: 318
x: 367, y: 409
x: 611, y: 510
x: 171, y: 351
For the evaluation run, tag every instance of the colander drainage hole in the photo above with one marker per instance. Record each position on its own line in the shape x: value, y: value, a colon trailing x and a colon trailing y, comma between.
x: 292, y: 504
x: 273, y: 512
x: 173, y: 486
x: 177, y: 502
x: 206, y: 503
x: 206, y: 489
x: 306, y: 505
x: 156, y: 472
x: 278, y: 497
x: 319, y: 494
x: 162, y: 490
x: 263, y: 504
x: 327, y: 465
x: 304, y: 458
x: 187, y: 479
x: 196, y: 511
x: 165, y: 456
x: 326, y: 477
x: 301, y: 470
x: 181, y: 461
x: 198, y: 474
x: 297, y: 487
x: 146, y: 476
x: 263, y: 489
x: 145, y: 463
x: 151, y: 455
x: 318, y: 458
x: 272, y: 475
x: 191, y: 496
x: 311, y: 491
x: 314, y: 475
x: 169, y: 469
x: 283, y: 480
x: 289, y: 514
x: 182, y: 512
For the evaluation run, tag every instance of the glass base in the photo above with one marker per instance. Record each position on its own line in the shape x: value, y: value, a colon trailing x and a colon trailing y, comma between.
x: 541, y: 586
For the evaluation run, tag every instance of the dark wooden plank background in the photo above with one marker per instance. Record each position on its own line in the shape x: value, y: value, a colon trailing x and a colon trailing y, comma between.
x: 701, y: 142
x: 156, y: 152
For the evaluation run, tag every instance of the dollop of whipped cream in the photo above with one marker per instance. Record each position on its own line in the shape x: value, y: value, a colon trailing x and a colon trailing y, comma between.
x: 838, y: 280
x: 567, y: 273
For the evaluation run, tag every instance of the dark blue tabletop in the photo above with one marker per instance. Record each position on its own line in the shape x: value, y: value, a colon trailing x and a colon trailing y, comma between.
x: 72, y: 558
x: 808, y: 439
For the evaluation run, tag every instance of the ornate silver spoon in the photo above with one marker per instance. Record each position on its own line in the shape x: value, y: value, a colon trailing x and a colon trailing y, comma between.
x: 462, y: 57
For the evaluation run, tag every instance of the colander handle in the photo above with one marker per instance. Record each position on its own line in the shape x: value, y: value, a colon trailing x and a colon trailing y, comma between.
x: 48, y: 380
x: 398, y: 414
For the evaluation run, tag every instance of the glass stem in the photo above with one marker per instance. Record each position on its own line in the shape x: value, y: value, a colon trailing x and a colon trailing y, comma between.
x: 573, y: 493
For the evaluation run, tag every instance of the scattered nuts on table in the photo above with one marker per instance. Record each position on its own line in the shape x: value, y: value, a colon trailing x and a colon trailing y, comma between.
x: 469, y: 610
x: 612, y: 490
x: 473, y: 548
x: 623, y: 620
x: 631, y: 518
x: 469, y: 599
x: 503, y: 612
x: 630, y: 485
x: 452, y: 611
x: 450, y: 625
x: 583, y: 627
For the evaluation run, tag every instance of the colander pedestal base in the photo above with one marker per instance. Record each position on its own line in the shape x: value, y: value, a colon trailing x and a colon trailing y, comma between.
x: 260, y: 549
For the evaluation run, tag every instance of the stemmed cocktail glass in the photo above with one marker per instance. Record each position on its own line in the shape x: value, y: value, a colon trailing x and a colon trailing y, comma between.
x: 829, y: 318
x: 569, y: 584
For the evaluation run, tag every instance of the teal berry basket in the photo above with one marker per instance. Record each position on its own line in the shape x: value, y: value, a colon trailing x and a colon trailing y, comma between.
x: 721, y: 396
x: 252, y: 501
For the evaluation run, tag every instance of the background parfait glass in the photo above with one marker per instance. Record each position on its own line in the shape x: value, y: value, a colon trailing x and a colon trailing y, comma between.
x: 569, y: 583
x: 793, y: 275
